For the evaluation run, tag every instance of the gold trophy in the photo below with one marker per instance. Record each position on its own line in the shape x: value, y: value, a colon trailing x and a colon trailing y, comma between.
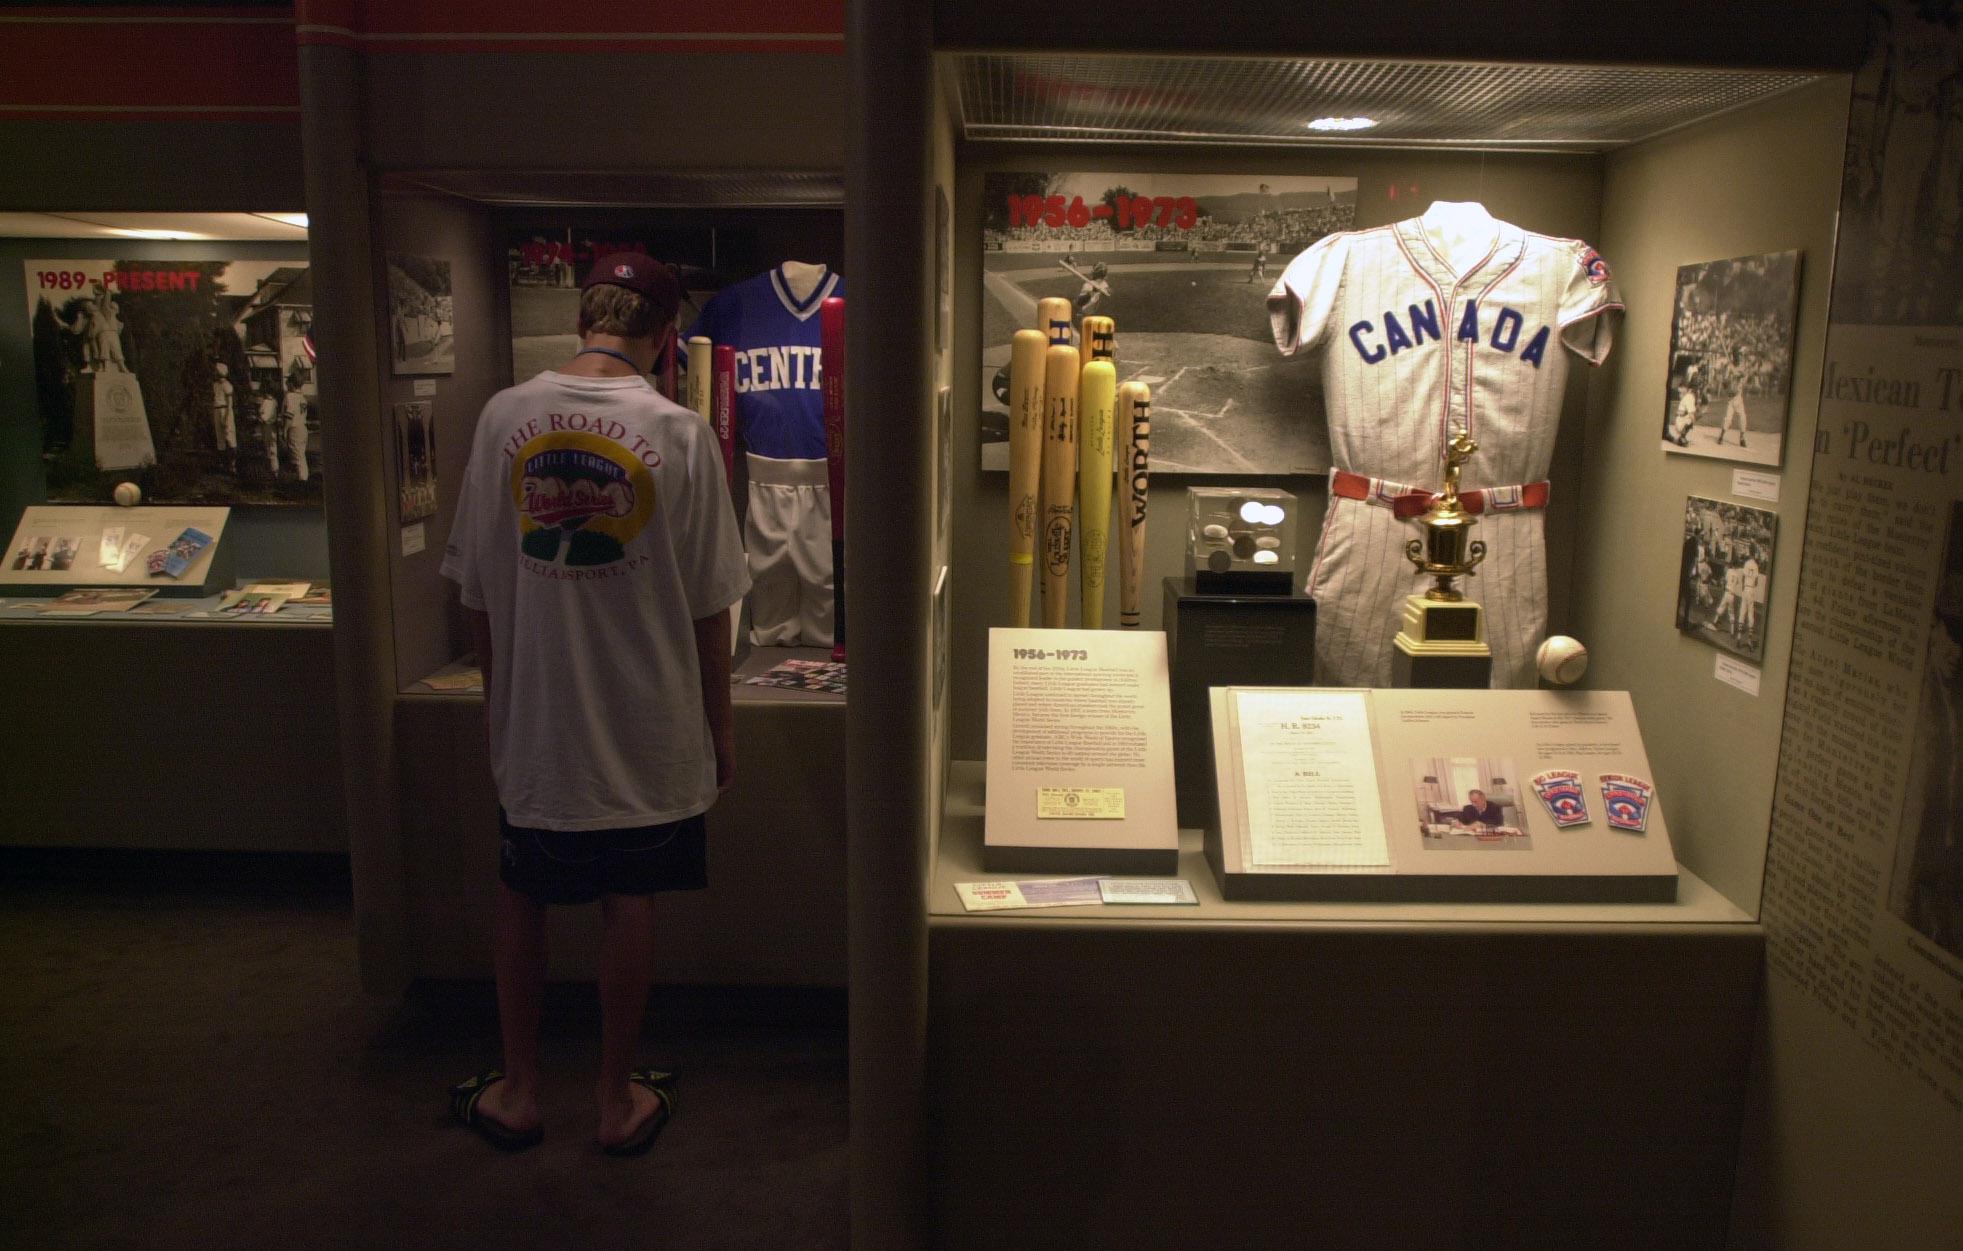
x: 1442, y: 643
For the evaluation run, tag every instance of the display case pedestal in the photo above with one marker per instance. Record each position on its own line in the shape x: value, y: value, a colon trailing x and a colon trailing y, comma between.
x: 1225, y: 640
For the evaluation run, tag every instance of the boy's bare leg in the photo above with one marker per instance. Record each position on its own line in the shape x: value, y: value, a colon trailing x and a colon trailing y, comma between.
x: 626, y: 967
x: 520, y: 957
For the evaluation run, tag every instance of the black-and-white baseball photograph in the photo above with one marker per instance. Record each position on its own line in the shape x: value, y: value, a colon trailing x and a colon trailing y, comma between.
x: 1183, y: 263
x: 1897, y: 262
x: 1731, y: 358
x: 422, y: 321
x: 194, y: 379
x: 547, y: 264
x: 1726, y: 575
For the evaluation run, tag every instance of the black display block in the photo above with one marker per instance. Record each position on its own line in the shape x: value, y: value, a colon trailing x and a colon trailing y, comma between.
x: 1440, y: 672
x: 1225, y: 640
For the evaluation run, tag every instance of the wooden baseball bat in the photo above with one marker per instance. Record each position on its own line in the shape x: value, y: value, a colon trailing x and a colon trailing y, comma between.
x: 722, y: 408
x: 1025, y: 465
x: 1100, y: 338
x: 701, y: 363
x: 1059, y: 475
x: 831, y: 364
x: 1134, y: 417
x: 1096, y: 396
x: 1054, y: 320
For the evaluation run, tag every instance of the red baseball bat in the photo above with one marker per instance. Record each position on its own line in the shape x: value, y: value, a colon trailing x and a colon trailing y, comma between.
x: 831, y: 363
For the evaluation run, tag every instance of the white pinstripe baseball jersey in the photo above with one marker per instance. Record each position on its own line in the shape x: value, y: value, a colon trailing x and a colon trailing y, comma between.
x: 1412, y: 349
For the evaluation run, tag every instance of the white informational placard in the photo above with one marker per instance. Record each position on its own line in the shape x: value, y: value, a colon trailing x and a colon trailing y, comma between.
x: 1307, y: 778
x: 1739, y: 673
x: 1755, y: 484
x: 1147, y: 890
x: 68, y: 545
x: 1080, y: 752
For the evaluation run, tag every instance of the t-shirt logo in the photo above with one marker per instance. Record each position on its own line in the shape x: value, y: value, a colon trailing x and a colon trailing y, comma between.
x: 581, y: 498
x: 623, y: 271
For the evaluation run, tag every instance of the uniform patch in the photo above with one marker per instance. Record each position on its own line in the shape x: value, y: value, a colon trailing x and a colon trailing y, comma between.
x: 1560, y: 790
x: 1627, y: 799
x: 1598, y: 269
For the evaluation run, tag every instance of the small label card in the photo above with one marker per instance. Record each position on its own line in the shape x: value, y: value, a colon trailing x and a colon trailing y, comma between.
x: 1147, y: 890
x: 1739, y: 674
x: 425, y: 387
x: 414, y: 539
x: 1054, y: 893
x: 1080, y: 803
x: 1754, y: 484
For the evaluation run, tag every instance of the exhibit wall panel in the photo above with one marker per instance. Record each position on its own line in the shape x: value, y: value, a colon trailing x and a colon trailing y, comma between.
x: 1765, y: 179
x: 429, y: 631
x: 601, y: 111
x: 151, y: 165
x: 265, y: 541
x: 1557, y: 194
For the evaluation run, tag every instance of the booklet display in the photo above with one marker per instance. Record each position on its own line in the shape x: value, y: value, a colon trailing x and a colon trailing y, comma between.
x: 1434, y: 794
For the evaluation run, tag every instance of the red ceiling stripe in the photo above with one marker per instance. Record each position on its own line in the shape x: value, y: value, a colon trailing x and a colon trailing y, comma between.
x: 381, y: 21
x: 147, y: 66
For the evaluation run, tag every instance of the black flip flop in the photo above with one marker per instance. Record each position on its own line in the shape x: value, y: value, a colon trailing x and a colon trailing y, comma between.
x: 663, y: 1086
x: 465, y: 1097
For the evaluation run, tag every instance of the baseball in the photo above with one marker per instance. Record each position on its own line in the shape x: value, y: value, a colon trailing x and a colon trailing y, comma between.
x: 1562, y: 660
x: 128, y: 494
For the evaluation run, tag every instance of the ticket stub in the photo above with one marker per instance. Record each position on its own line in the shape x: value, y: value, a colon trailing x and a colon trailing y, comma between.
x: 1080, y: 803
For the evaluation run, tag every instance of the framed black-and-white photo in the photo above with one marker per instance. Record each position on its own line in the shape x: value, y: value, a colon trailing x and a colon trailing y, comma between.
x: 1731, y: 358
x: 415, y: 460
x: 422, y: 322
x: 1726, y: 574
x: 1184, y: 263
x: 194, y: 379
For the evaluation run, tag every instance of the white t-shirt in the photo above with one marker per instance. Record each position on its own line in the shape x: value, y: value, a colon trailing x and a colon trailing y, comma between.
x: 594, y: 527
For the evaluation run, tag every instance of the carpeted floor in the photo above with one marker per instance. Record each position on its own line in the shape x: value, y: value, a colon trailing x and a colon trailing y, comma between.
x: 186, y: 1060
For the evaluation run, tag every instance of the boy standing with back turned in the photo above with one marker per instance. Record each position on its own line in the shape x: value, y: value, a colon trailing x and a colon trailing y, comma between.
x: 596, y: 555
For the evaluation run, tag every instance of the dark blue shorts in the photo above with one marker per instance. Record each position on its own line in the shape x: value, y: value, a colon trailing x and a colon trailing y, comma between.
x: 579, y: 866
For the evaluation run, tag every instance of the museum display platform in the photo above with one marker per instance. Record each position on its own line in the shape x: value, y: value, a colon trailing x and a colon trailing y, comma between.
x: 171, y: 732
x: 774, y: 914
x: 1331, y: 1074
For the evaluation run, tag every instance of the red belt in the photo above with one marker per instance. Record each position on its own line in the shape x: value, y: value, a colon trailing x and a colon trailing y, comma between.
x: 1409, y: 501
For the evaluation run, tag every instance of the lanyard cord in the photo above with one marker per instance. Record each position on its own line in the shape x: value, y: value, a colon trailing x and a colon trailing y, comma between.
x: 619, y: 356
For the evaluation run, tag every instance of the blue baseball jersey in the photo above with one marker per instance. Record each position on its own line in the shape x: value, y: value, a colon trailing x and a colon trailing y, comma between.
x: 780, y: 398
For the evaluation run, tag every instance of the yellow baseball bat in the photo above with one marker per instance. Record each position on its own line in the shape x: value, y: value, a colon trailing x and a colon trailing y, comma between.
x: 1059, y: 475
x: 1054, y: 320
x: 1100, y: 338
x: 701, y: 367
x: 1025, y: 464
x: 1096, y: 397
x: 1135, y: 418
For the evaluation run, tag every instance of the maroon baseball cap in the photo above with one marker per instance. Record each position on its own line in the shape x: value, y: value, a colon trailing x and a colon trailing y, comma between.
x: 641, y: 274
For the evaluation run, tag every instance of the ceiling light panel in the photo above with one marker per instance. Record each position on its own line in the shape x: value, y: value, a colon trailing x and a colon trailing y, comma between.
x: 1170, y: 99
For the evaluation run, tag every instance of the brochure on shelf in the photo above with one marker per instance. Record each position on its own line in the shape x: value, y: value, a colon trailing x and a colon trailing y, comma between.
x: 173, y: 550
